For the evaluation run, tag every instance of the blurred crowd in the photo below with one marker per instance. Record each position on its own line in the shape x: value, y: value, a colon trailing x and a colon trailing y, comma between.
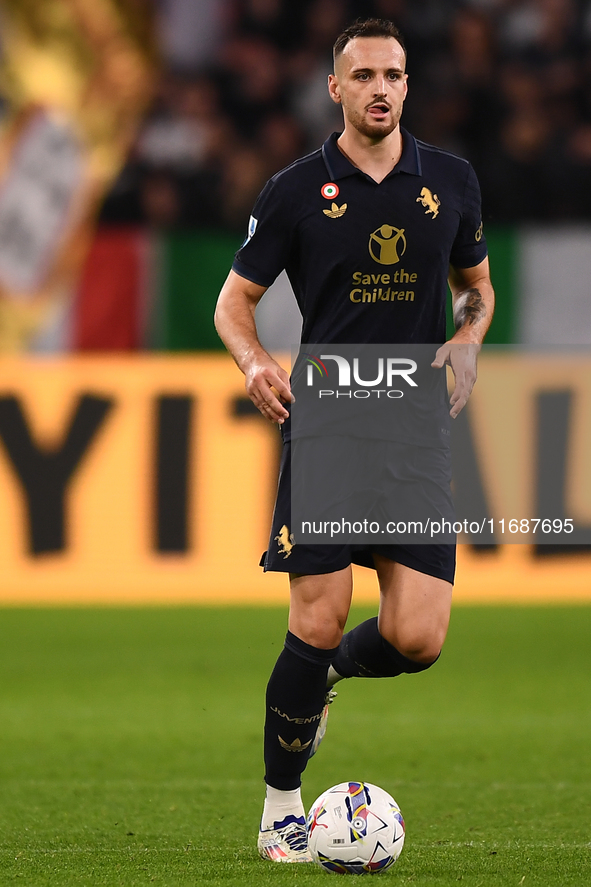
x: 506, y: 83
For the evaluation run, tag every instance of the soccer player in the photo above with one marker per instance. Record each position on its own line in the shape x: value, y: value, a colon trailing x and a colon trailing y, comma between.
x: 372, y: 200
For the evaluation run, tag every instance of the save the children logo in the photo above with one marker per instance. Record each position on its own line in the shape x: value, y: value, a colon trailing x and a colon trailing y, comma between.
x: 387, y: 244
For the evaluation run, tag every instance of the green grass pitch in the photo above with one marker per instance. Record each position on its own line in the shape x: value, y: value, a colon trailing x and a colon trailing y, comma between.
x: 130, y: 748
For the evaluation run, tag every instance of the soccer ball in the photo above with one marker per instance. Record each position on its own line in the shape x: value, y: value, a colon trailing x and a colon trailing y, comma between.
x: 355, y: 828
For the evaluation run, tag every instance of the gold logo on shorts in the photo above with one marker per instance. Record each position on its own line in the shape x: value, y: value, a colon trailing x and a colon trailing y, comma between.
x: 285, y: 541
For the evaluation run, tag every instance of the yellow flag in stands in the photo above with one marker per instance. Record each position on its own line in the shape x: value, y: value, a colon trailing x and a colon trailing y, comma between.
x: 76, y: 76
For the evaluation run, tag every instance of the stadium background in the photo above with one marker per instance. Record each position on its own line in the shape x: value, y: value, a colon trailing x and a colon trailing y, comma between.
x: 134, y: 138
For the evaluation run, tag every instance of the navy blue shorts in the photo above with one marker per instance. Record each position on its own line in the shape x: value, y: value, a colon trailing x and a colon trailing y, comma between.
x: 285, y: 555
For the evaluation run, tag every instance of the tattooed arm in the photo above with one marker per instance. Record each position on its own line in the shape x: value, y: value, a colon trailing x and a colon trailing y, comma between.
x: 469, y: 307
x: 473, y: 304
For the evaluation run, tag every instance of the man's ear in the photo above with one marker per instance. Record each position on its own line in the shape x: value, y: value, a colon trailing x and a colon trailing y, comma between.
x: 334, y: 89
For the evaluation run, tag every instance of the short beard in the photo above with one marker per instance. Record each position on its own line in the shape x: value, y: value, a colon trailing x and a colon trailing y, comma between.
x: 373, y: 131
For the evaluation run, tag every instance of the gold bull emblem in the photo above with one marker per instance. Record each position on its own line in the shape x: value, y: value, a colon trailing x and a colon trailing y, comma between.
x: 285, y: 541
x: 430, y: 201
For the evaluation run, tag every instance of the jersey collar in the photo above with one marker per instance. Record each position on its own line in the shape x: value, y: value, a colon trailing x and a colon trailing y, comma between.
x: 339, y: 167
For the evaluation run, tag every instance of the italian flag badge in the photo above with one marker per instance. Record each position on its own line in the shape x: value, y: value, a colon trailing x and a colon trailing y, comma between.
x: 330, y: 190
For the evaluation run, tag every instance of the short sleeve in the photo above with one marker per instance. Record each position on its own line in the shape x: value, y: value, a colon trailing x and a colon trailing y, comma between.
x: 264, y: 253
x: 469, y: 247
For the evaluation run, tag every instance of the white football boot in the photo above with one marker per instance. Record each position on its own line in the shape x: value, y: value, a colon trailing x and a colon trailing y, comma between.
x: 287, y: 841
x: 330, y: 697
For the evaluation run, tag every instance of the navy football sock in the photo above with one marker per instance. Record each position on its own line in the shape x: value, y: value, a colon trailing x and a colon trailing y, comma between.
x: 364, y: 653
x: 295, y: 700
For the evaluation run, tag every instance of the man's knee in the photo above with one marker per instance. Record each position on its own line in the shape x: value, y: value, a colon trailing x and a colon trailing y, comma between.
x: 424, y: 654
x: 324, y: 633
x: 319, y: 607
x: 422, y: 663
x: 422, y: 647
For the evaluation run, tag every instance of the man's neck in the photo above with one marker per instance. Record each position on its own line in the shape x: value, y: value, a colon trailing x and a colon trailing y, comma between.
x: 375, y: 158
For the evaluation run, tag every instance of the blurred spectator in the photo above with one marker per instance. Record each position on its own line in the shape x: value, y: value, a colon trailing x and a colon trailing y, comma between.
x: 309, y: 68
x: 506, y: 83
x: 243, y: 177
x: 252, y: 82
x: 576, y: 185
x: 185, y: 134
x: 160, y: 200
x: 280, y: 140
x: 190, y: 32
x: 278, y: 23
x: 514, y: 186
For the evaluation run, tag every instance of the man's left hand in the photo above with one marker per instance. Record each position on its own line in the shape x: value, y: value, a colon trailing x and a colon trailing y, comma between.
x: 462, y: 359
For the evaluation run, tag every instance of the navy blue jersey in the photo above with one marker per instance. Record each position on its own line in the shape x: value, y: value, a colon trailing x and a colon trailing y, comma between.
x: 368, y: 262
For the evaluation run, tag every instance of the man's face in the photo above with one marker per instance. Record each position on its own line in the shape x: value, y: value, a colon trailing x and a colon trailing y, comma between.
x: 370, y: 83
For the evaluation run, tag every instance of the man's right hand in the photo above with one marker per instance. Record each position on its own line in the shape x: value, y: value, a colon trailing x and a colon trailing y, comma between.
x: 267, y: 385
